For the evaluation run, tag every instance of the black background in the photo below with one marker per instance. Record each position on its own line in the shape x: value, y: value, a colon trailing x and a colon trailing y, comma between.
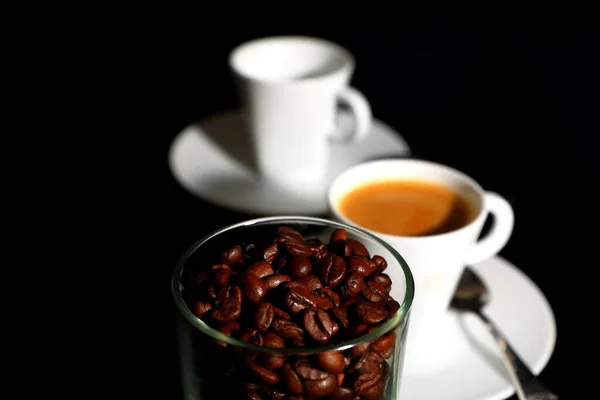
x: 513, y: 102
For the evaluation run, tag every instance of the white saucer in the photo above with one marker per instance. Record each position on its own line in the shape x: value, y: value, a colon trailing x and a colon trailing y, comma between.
x: 211, y: 159
x: 470, y: 367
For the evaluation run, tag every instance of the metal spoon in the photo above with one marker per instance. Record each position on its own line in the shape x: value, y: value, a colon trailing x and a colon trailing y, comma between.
x: 471, y: 295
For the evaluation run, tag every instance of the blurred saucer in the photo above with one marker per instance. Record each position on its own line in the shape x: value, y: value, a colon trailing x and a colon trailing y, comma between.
x: 465, y: 364
x: 211, y: 159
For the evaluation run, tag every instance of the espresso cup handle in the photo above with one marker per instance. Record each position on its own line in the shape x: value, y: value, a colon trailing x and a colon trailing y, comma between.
x: 361, y: 112
x: 500, y: 231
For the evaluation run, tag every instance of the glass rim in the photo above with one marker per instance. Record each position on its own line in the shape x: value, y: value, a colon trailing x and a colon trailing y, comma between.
x: 197, y: 323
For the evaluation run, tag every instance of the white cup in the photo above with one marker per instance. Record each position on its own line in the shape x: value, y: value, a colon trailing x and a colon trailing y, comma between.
x: 436, y: 261
x: 290, y: 88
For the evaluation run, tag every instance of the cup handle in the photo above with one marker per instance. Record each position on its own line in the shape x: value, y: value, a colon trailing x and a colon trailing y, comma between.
x: 500, y: 231
x: 361, y: 111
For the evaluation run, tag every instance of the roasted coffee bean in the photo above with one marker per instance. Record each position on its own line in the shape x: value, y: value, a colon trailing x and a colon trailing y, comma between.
x: 306, y: 370
x: 265, y: 375
x: 318, y: 324
x: 383, y: 279
x: 340, y: 317
x: 358, y: 248
x: 333, y: 362
x: 392, y: 306
x: 380, y: 263
x: 283, y: 232
x: 369, y: 360
x: 356, y: 263
x: 319, y: 388
x: 319, y: 249
x: 231, y: 305
x: 287, y: 329
x: 280, y: 264
x: 297, y: 249
x: 298, y: 298
x: 367, y: 378
x: 370, y: 313
x: 311, y: 281
x: 270, y: 253
x: 211, y: 291
x: 338, y: 234
x: 227, y: 328
x: 357, y: 330
x: 201, y: 307
x: 290, y: 379
x: 374, y: 392
x: 271, y: 339
x: 260, y: 269
x: 220, y: 274
x: 232, y: 255
x: 272, y: 393
x: 332, y: 270
x: 358, y: 350
x: 349, y: 302
x: 374, y: 292
x: 253, y: 287
x: 264, y: 316
x: 342, y: 393
x: 280, y: 314
x: 299, y: 267
x: 353, y: 284
x: 251, y: 335
x: 384, y: 345
x: 272, y: 361
x: 272, y: 281
x: 329, y: 294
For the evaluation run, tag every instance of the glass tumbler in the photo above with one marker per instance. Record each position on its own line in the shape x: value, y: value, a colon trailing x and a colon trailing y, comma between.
x: 243, y: 339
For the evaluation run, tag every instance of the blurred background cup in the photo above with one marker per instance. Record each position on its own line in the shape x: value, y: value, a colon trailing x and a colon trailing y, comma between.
x: 214, y: 364
x: 438, y: 255
x: 291, y: 88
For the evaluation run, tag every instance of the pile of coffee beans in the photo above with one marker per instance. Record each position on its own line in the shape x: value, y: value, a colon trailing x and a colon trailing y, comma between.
x: 294, y: 292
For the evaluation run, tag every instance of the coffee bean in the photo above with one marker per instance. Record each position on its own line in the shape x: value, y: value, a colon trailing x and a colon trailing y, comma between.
x: 299, y: 267
x: 265, y: 375
x: 231, y: 305
x: 272, y: 281
x: 273, y: 393
x: 232, y: 255
x: 380, y: 263
x: 383, y: 279
x: 318, y: 324
x: 306, y: 370
x: 357, y: 248
x: 253, y: 396
x: 321, y: 387
x: 260, y: 269
x: 227, y: 328
x: 280, y: 314
x: 332, y: 270
x: 311, y: 281
x: 251, y: 335
x: 374, y: 292
x: 290, y: 379
x: 253, y: 287
x: 272, y: 361
x: 298, y: 249
x: 201, y: 307
x: 329, y: 294
x: 283, y: 232
x: 287, y: 329
x: 385, y: 344
x: 333, y: 362
x: 340, y: 316
x: 270, y: 253
x: 338, y: 234
x: 392, y: 306
x: 264, y: 316
x: 251, y: 387
x: 342, y: 393
x: 273, y: 340
x: 299, y: 298
x: 221, y: 274
x: 353, y: 284
x: 370, y: 313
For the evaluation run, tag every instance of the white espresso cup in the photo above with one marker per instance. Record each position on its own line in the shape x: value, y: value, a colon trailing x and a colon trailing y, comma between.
x: 436, y: 260
x: 290, y: 88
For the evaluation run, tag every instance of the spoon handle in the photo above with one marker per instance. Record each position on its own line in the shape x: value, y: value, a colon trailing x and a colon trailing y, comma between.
x: 527, y: 386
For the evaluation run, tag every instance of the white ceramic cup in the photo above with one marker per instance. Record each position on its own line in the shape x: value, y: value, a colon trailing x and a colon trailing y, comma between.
x: 436, y: 261
x: 290, y: 88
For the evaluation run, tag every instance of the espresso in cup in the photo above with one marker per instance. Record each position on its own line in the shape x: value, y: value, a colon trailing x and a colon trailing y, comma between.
x: 407, y: 207
x: 433, y: 215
